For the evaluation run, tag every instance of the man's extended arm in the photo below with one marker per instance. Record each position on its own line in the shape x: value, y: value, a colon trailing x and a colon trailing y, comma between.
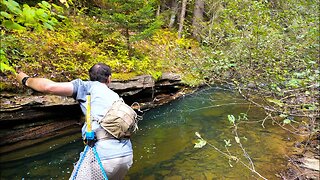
x: 46, y: 85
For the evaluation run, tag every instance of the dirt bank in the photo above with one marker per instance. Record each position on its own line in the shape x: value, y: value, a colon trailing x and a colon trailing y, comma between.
x: 304, y: 163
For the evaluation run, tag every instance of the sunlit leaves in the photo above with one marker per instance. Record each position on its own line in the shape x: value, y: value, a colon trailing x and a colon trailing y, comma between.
x: 283, y: 115
x: 231, y: 119
x: 12, y: 25
x: 6, y: 15
x: 286, y: 121
x: 45, y: 5
x: 275, y: 47
x: 135, y: 19
x: 311, y: 107
x: 4, y: 63
x: 275, y: 101
x: 13, y: 6
x: 227, y: 143
x: 22, y: 18
x: 200, y: 143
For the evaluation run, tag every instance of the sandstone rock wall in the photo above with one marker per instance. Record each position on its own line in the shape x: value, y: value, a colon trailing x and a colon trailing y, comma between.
x: 29, y: 119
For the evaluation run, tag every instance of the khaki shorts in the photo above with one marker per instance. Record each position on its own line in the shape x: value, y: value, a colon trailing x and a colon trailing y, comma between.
x: 117, y: 168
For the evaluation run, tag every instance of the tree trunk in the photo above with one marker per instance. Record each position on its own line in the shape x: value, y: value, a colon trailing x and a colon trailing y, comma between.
x: 158, y: 11
x: 197, y: 18
x: 174, y: 11
x: 182, y: 15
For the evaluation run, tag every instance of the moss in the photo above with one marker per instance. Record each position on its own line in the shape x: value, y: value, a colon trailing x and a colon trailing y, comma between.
x: 124, y: 76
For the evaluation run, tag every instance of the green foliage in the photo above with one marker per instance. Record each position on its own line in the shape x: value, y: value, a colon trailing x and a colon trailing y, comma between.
x: 263, y: 40
x: 133, y: 15
x: 227, y: 143
x: 4, y: 62
x: 200, y: 141
x: 135, y: 19
x: 15, y: 17
x: 233, y: 120
x: 10, y: 53
x: 270, y: 46
x: 168, y: 52
x: 273, y: 48
x: 68, y: 52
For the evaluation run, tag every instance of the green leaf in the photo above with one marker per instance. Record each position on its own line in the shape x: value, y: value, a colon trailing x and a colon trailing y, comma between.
x: 5, y: 14
x: 48, y: 26
x: 283, y: 115
x: 244, y: 116
x: 275, y: 101
x: 28, y: 14
x: 42, y: 15
x: 12, y: 25
x: 13, y: 6
x: 295, y: 83
x: 59, y: 9
x: 53, y: 21
x: 231, y: 119
x: 45, y: 5
x: 5, y: 67
x: 62, y: 17
x: 232, y: 65
x: 227, y: 143
x: 13, y: 3
x: 287, y: 121
x: 200, y: 143
x: 310, y: 107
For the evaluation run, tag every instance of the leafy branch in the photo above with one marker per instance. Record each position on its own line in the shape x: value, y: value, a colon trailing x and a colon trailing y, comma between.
x: 201, y: 142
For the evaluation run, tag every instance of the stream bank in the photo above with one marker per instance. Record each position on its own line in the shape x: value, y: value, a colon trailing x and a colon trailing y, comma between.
x: 31, y: 118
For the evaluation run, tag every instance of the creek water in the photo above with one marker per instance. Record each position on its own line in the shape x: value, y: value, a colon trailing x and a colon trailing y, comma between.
x: 164, y: 145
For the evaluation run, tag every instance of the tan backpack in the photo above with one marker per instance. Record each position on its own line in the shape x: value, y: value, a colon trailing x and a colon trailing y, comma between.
x: 121, y: 120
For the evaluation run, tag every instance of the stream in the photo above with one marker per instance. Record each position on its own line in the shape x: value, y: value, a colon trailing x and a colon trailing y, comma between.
x: 164, y: 145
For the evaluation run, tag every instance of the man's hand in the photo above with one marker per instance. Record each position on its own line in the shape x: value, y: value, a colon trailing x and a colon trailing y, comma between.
x: 20, y: 76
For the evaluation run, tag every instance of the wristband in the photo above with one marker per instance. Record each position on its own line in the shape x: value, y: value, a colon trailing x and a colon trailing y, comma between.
x: 24, y: 80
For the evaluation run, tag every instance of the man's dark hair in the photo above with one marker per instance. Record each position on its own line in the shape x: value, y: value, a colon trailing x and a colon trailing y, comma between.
x: 99, y: 72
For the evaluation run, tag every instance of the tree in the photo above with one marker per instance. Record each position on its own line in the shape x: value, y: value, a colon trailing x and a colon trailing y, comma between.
x: 197, y: 18
x: 182, y: 15
x: 174, y: 11
x: 136, y: 19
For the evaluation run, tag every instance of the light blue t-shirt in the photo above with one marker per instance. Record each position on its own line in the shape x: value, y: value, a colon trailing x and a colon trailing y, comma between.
x: 101, y: 100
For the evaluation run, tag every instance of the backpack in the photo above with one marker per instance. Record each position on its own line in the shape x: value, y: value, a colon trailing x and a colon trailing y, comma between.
x: 121, y: 120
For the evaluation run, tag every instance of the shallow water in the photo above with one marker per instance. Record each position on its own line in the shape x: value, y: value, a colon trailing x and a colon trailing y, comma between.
x: 163, y: 148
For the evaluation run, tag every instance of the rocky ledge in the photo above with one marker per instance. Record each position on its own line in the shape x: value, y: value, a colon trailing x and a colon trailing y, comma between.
x: 33, y: 118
